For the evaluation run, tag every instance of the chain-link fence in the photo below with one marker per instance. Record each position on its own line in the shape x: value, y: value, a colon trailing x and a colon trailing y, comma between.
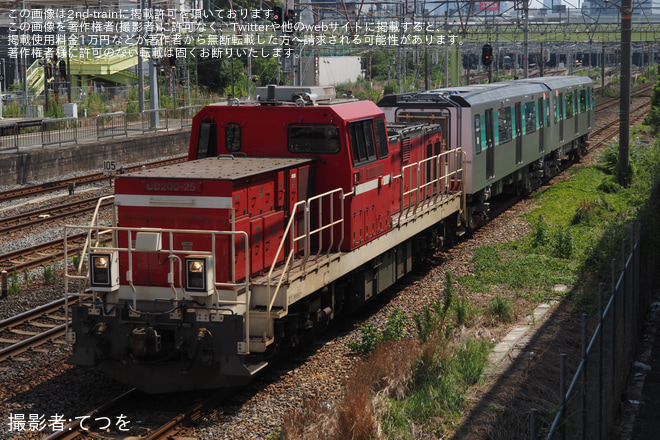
x: 590, y: 401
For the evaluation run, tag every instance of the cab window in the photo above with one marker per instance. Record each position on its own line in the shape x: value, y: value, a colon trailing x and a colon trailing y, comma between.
x: 313, y: 138
x: 362, y: 142
x: 381, y: 138
x: 233, y: 137
x: 206, y: 140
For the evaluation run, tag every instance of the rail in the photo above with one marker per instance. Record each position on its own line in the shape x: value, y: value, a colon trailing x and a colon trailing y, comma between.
x: 41, y: 133
x: 587, y: 408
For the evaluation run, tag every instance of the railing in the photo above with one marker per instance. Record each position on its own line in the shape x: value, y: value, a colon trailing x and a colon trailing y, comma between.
x: 60, y: 131
x: 587, y: 409
x: 111, y: 125
x: 329, y: 215
x: 434, y: 180
x: 429, y: 180
x: 173, y: 255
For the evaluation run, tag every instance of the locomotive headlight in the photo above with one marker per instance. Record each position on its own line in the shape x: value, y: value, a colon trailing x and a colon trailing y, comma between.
x: 198, y: 274
x: 101, y: 262
x: 104, y: 271
x: 196, y: 266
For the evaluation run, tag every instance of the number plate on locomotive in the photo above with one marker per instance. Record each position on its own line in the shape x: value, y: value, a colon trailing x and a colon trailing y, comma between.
x: 171, y: 186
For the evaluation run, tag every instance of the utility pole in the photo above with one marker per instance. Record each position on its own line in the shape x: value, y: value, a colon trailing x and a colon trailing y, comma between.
x: 526, y: 42
x: 624, y: 113
x: 603, y: 65
x: 140, y: 69
x: 446, y: 48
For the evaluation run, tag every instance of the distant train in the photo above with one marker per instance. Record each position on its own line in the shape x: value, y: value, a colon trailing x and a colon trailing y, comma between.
x: 292, y: 209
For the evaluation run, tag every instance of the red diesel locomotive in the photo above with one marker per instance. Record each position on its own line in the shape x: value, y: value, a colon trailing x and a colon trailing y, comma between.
x: 289, y: 210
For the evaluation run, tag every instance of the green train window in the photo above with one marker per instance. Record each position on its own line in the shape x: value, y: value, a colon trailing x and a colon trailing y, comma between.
x: 569, y: 105
x: 504, y: 125
x: 477, y: 134
x: 529, y: 115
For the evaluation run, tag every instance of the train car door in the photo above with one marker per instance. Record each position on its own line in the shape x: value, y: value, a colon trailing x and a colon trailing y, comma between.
x: 541, y: 116
x: 590, y: 106
x: 576, y: 110
x: 490, y: 145
x: 519, y: 139
x: 560, y: 107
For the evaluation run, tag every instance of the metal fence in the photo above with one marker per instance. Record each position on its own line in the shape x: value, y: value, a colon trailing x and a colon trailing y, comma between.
x: 47, y: 132
x: 589, y: 404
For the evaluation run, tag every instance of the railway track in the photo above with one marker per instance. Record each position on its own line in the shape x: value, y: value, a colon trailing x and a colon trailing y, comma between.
x: 136, y: 415
x: 50, y: 187
x: 40, y: 254
x: 641, y: 90
x: 610, y: 130
x: 113, y: 409
x: 25, y: 331
x: 45, y: 215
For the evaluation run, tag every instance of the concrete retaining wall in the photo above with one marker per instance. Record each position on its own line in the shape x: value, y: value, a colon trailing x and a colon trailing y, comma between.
x: 37, y: 164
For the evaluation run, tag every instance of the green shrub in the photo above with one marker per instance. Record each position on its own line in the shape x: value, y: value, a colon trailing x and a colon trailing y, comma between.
x: 393, y: 331
x: 501, y: 308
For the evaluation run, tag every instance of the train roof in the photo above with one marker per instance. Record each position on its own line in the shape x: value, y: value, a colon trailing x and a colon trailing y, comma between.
x: 223, y: 167
x: 344, y: 109
x: 556, y: 82
x: 467, y: 96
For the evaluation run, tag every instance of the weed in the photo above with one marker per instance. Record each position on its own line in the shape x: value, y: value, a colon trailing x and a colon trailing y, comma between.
x: 434, y: 319
x: 562, y: 243
x: 26, y: 275
x: 463, y: 310
x: 370, y: 339
x: 586, y: 212
x: 472, y: 359
x: 501, y: 308
x: 396, y: 323
x: 539, y: 232
x: 50, y: 277
x: 609, y: 186
x: 14, y: 287
x: 75, y: 260
x: 394, y: 331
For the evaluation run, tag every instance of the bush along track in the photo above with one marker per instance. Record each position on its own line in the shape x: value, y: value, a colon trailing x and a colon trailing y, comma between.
x: 420, y: 386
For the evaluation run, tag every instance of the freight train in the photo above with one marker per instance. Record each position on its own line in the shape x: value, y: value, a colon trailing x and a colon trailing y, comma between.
x: 293, y: 209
